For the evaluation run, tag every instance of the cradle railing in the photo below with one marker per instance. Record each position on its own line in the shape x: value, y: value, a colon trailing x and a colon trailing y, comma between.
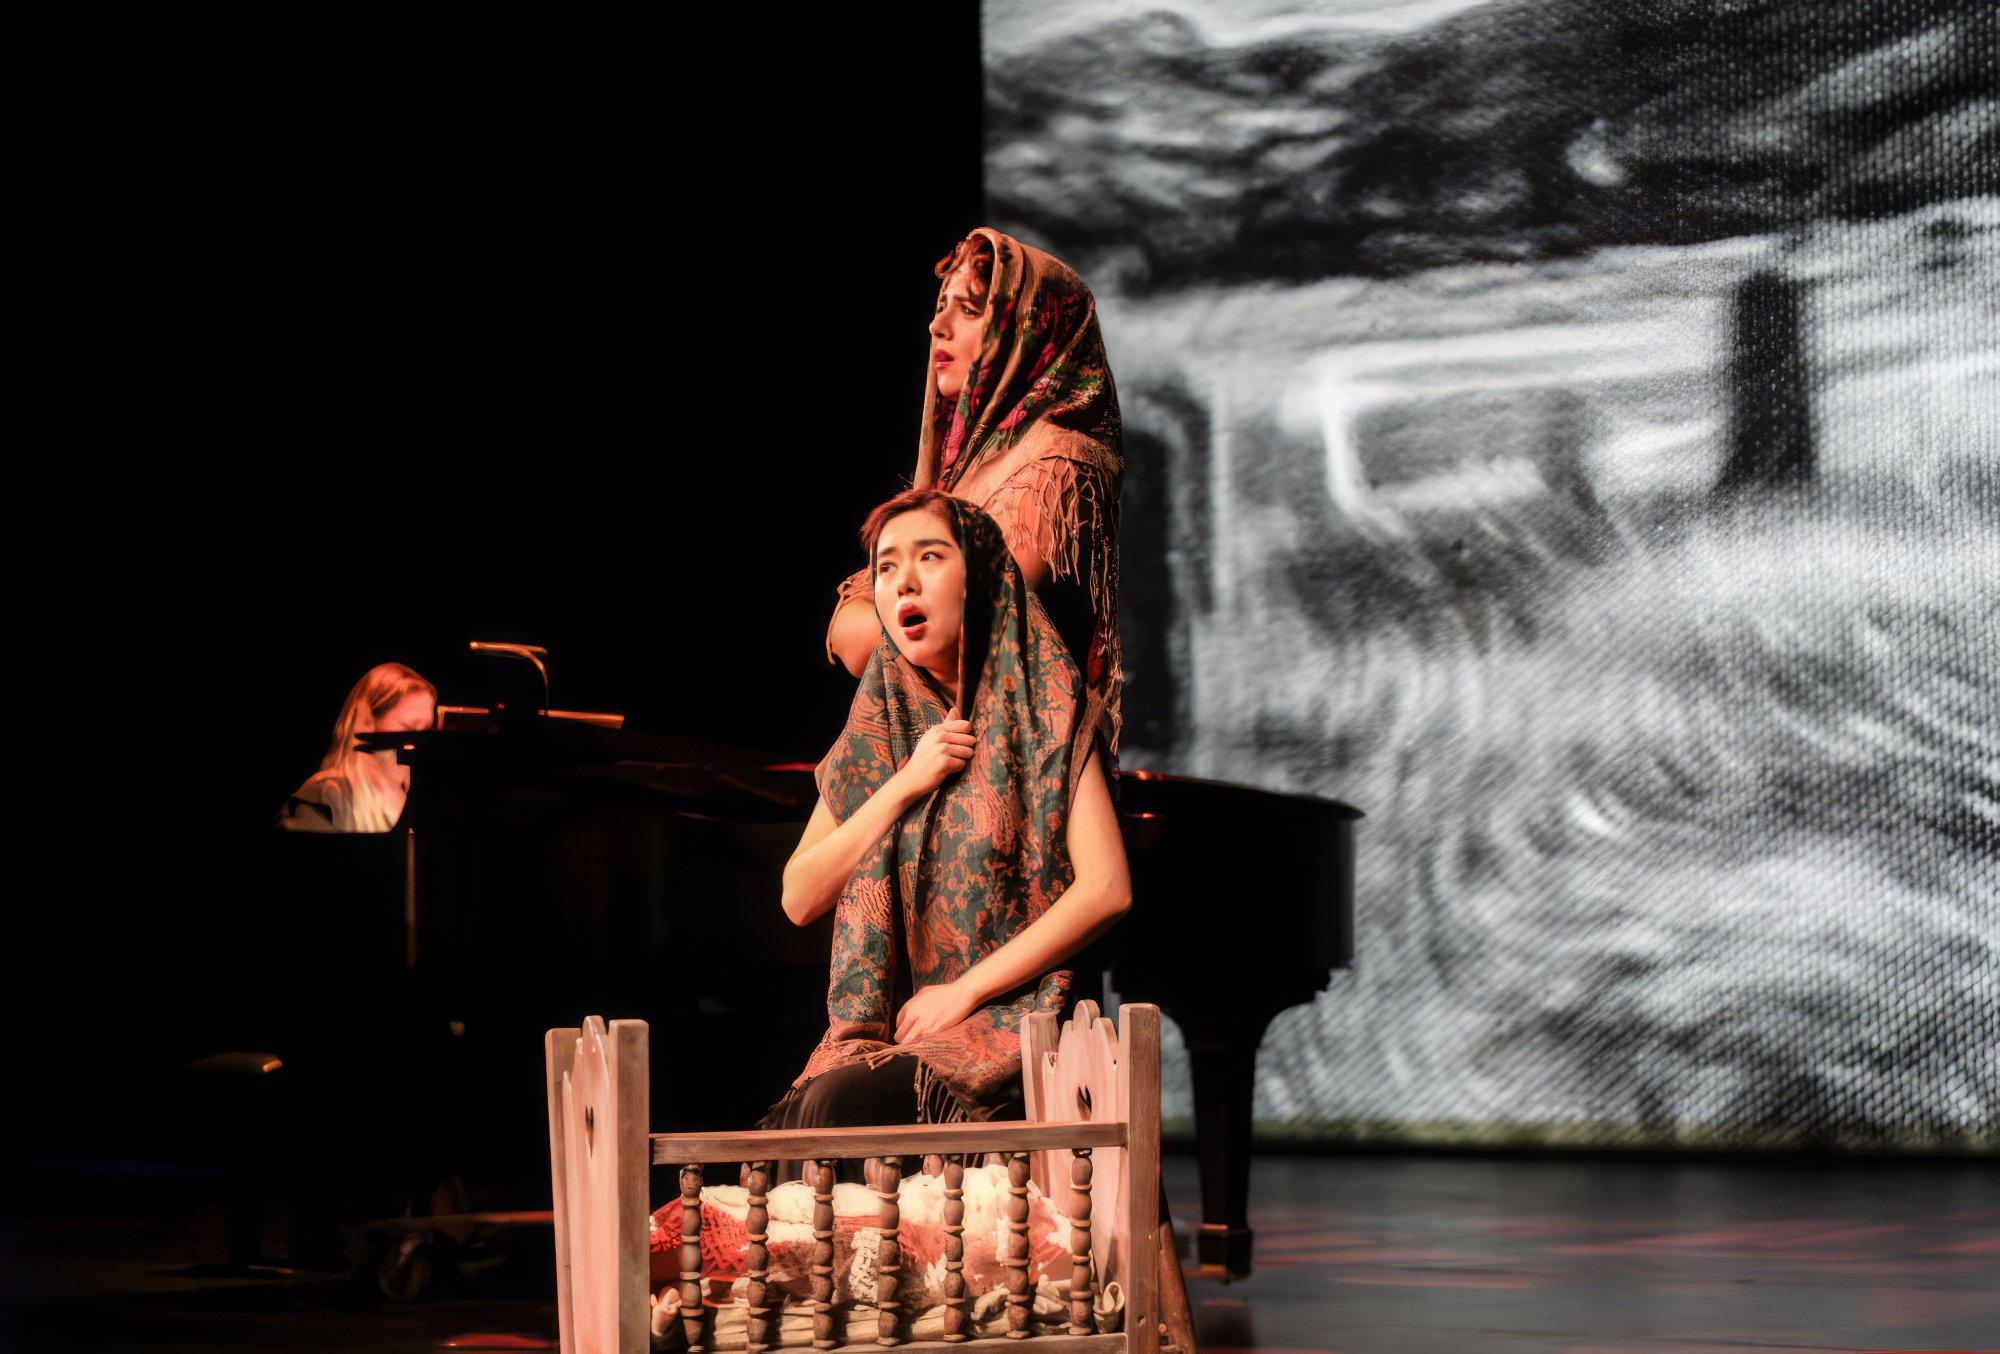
x: 600, y: 1152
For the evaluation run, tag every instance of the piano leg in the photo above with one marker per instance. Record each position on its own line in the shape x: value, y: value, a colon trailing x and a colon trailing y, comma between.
x: 1223, y: 1062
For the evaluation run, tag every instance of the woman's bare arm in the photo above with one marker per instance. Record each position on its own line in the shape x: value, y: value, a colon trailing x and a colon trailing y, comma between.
x: 1027, y: 554
x: 855, y: 632
x: 1100, y: 894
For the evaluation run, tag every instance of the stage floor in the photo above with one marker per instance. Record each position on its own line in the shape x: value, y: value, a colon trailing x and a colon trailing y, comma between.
x: 1357, y: 1254
x: 1438, y: 1255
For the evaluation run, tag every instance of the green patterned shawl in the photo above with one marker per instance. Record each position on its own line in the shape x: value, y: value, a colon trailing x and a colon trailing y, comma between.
x: 975, y: 862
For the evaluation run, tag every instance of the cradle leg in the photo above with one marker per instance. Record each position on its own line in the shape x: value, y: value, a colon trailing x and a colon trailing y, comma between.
x: 1176, y: 1321
x: 822, y: 1268
x: 692, y: 1310
x: 955, y: 1299
x: 1139, y: 1064
x: 888, y: 1259
x: 758, y: 1262
x: 1082, y: 1287
x: 1020, y: 1295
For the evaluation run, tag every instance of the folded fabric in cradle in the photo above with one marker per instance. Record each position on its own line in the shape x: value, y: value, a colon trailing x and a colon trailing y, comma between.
x: 725, y: 1237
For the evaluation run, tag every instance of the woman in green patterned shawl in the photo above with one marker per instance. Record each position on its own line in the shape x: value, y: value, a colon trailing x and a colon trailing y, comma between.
x: 964, y: 858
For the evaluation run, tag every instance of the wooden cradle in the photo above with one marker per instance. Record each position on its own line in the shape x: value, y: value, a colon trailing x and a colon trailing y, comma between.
x: 600, y: 1152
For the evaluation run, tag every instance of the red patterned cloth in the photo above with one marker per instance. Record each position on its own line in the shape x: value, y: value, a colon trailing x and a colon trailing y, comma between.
x: 725, y: 1240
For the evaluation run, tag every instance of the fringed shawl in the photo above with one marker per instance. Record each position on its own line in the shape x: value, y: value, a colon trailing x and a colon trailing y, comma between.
x: 973, y: 864
x: 1035, y: 439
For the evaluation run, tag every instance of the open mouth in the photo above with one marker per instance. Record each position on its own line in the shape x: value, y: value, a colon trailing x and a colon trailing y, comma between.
x: 910, y: 617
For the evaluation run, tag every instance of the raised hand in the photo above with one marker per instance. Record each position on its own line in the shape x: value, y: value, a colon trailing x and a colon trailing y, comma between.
x: 943, y: 750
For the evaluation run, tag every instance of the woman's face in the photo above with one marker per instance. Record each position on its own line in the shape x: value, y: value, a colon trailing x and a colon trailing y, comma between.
x: 955, y: 329
x: 415, y: 711
x: 920, y: 588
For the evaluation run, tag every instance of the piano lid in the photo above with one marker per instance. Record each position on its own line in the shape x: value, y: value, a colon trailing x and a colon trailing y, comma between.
x: 1150, y: 790
x: 588, y: 759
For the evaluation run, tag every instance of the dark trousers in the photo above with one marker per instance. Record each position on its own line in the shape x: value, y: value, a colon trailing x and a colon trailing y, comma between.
x: 857, y: 1096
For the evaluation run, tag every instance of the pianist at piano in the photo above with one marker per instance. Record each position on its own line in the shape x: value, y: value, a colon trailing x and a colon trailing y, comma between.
x: 358, y: 790
x: 1003, y: 823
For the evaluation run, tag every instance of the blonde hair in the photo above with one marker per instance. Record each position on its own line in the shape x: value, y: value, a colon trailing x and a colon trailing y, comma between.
x: 361, y: 808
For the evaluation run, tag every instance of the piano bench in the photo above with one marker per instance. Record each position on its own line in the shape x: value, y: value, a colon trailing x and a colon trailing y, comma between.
x: 239, y: 1088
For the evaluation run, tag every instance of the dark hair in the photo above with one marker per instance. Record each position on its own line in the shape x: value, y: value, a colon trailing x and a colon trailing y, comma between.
x: 975, y: 254
x: 910, y: 500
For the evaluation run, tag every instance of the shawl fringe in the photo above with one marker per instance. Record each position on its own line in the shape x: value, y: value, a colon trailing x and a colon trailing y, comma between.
x: 936, y: 1102
x: 1069, y: 497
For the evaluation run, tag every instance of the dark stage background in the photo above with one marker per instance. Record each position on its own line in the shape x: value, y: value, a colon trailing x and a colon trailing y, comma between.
x: 381, y: 342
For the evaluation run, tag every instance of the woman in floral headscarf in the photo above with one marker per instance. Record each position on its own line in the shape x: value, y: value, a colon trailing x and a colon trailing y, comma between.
x: 965, y: 858
x: 1021, y: 420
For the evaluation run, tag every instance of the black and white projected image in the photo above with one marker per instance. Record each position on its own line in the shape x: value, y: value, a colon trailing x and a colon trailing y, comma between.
x: 1570, y: 433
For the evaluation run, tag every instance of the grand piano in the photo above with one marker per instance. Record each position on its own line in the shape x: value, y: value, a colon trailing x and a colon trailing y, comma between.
x: 550, y: 867
x: 1243, y: 905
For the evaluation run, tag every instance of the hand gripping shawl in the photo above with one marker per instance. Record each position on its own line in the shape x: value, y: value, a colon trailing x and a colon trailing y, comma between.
x: 965, y: 870
x: 1040, y: 406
